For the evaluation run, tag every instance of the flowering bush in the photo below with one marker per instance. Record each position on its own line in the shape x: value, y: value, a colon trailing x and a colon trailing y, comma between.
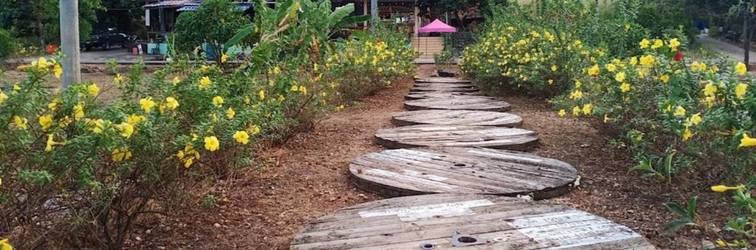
x: 76, y: 170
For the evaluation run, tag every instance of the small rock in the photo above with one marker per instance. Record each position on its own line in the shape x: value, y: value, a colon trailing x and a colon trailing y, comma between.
x: 705, y: 244
x: 217, y: 225
x: 362, y: 196
x: 138, y: 238
x: 148, y: 231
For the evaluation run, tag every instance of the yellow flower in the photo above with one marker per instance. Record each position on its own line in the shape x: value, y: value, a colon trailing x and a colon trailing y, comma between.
x: 578, y: 84
x: 647, y: 60
x: 218, y: 101
x: 93, y: 90
x: 695, y: 119
x: 740, y: 90
x: 57, y: 70
x: 576, y: 111
x: 673, y: 44
x: 747, y: 141
x: 551, y: 81
x: 50, y: 143
x: 79, y: 111
x: 175, y: 80
x: 610, y: 67
x: 135, y: 119
x: 554, y: 68
x: 212, y: 143
x: 577, y: 94
x: 620, y: 77
x: 188, y: 162
x: 205, y: 82
x: 230, y: 113
x: 627, y: 27
x: 587, y: 109
x: 606, y: 118
x: 303, y: 89
x: 657, y: 44
x: 46, y: 121
x: 340, y: 107
x: 696, y: 66
x: 723, y: 188
x: 147, y: 104
x: 16, y: 87
x: 20, y: 122
x: 121, y: 154
x: 126, y: 129
x: 4, y: 245
x: 261, y: 94
x: 679, y: 111
x: 64, y: 122
x: 224, y: 58
x: 171, y: 102
x: 686, y: 134
x: 118, y: 79
x: 664, y: 78
x: 625, y: 87
x: 294, y: 88
x: 633, y: 61
x: 3, y: 97
x: 254, y: 129
x: 593, y: 71
x: 241, y: 137
x: 644, y: 43
x: 740, y: 69
x: 710, y: 89
x: 41, y: 63
x: 562, y: 112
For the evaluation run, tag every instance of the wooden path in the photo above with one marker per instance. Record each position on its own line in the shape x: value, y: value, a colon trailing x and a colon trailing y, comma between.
x: 447, y: 155
x: 461, y: 170
x: 458, y: 103
x: 459, y: 221
x: 456, y: 117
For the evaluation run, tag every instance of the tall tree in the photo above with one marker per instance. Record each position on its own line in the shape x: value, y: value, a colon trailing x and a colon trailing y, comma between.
x: 40, y: 19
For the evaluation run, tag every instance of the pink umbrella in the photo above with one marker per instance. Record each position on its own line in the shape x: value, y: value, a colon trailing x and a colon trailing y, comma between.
x: 437, y: 26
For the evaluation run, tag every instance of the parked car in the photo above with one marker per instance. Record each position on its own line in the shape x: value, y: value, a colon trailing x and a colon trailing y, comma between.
x: 106, y: 38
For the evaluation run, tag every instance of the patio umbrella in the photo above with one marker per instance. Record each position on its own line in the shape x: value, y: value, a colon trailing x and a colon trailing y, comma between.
x: 436, y: 26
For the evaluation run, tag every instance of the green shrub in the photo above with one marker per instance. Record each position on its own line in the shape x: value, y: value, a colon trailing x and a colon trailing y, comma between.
x: 214, y: 22
x: 8, y: 44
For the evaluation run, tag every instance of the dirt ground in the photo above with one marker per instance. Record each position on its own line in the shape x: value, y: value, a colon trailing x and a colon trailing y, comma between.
x: 264, y: 208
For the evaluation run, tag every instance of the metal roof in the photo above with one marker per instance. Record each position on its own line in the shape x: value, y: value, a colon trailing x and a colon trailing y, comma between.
x: 168, y: 4
x: 194, y: 6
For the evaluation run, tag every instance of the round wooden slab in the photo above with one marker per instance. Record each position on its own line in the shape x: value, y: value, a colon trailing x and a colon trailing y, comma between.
x: 449, y: 85
x: 456, y: 117
x: 441, y: 80
x: 458, y: 221
x: 456, y: 136
x: 403, y: 172
x: 458, y: 103
x: 444, y: 88
x: 425, y: 95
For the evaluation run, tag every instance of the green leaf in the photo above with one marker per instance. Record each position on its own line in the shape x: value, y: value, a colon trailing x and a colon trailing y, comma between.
x: 243, y: 33
x: 692, y: 207
x: 351, y: 20
x: 676, y: 208
x: 674, y: 225
x: 340, y: 13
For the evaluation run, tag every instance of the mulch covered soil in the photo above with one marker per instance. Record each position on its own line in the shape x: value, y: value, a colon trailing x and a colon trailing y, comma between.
x: 264, y: 208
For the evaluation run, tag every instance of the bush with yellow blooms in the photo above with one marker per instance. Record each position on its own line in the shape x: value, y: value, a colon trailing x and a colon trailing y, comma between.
x: 80, y: 171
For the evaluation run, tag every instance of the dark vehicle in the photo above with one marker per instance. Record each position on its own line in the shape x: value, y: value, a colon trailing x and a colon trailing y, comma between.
x: 107, y: 38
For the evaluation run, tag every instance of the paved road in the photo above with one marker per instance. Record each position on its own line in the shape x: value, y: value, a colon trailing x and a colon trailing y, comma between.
x: 734, y: 52
x: 102, y: 56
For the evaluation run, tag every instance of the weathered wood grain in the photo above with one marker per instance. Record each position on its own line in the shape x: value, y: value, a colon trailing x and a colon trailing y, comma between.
x: 446, y: 85
x: 458, y: 103
x: 442, y: 80
x: 495, y: 222
x: 427, y: 94
x: 456, y: 117
x: 444, y: 88
x: 456, y: 136
x: 402, y: 172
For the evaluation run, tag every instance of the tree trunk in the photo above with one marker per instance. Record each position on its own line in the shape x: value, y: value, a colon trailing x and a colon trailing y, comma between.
x: 746, y: 38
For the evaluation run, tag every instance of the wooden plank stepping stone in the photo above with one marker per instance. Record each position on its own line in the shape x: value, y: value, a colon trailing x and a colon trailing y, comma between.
x: 403, y: 172
x: 456, y: 136
x: 457, y: 221
x: 456, y: 117
x: 449, y: 85
x: 458, y: 103
x: 427, y: 94
x: 442, y: 80
x: 444, y: 88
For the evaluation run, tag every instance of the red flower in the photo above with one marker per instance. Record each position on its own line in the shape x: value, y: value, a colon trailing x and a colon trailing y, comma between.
x: 678, y: 56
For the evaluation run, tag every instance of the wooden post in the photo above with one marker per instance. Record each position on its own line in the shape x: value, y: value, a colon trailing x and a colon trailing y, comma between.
x: 365, y: 10
x: 374, y: 12
x: 746, y: 36
x: 69, y: 42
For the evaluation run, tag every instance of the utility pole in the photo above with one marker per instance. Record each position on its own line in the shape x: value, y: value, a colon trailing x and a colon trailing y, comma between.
x: 746, y: 35
x: 374, y: 13
x: 69, y: 42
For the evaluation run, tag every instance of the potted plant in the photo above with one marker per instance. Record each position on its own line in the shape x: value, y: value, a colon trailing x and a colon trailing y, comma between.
x: 443, y: 62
